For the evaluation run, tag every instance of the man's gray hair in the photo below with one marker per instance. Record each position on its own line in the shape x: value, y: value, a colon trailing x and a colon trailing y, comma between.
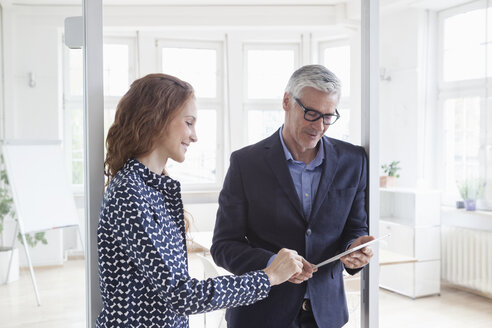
x: 315, y: 76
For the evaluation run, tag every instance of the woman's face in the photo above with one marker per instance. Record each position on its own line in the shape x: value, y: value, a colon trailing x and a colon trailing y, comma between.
x: 179, y: 134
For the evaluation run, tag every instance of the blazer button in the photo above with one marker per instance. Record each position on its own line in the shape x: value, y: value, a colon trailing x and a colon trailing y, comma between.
x: 308, y: 232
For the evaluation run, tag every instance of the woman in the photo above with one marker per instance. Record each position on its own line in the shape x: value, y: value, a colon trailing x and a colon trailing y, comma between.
x: 143, y: 267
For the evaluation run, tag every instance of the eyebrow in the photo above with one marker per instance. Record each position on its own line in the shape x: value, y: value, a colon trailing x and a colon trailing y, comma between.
x: 193, y: 117
x: 310, y: 108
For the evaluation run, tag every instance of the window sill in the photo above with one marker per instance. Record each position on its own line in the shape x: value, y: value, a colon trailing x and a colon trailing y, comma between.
x: 200, y: 197
x: 77, y: 191
x: 478, y: 220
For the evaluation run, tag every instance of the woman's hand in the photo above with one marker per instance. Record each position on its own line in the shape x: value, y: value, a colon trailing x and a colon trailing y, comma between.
x: 286, y: 264
x: 307, y: 273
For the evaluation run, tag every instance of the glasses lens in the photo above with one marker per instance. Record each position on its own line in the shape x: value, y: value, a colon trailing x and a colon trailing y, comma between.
x: 328, y: 120
x: 331, y: 119
x: 311, y: 115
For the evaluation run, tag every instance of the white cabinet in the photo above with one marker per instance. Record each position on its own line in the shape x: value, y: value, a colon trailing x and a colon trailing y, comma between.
x: 412, y: 216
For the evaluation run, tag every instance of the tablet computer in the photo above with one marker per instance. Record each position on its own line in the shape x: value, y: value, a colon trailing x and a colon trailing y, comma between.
x: 336, y: 257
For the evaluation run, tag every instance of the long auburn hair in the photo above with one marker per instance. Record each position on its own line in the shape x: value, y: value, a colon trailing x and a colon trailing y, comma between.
x: 141, y: 116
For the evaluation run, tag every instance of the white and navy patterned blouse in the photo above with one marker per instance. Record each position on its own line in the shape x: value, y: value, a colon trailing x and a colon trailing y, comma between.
x: 143, y: 266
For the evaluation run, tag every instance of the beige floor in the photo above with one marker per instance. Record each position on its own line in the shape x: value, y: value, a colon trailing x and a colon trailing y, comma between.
x: 63, y: 303
x: 62, y: 293
x: 453, y: 309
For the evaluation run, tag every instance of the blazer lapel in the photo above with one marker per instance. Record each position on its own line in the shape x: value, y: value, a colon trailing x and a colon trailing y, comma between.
x: 275, y: 158
x: 328, y: 173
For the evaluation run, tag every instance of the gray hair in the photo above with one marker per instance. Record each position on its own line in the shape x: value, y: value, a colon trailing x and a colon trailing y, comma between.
x: 315, y: 76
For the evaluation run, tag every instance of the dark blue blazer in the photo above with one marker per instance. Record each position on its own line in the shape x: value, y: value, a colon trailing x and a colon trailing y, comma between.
x: 260, y: 213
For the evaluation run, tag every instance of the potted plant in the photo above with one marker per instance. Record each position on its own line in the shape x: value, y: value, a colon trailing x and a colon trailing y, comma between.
x: 471, y: 190
x: 391, y: 169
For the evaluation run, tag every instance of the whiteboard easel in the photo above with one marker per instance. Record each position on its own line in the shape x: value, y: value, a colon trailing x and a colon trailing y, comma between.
x: 40, y: 189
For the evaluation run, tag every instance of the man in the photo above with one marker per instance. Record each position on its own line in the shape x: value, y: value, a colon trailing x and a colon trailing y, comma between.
x: 300, y: 190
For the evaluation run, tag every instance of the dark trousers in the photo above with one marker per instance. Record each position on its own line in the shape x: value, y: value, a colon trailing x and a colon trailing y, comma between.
x: 305, y: 317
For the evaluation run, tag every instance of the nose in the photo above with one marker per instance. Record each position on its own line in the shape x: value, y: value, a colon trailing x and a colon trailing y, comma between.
x: 318, y: 124
x: 193, y: 137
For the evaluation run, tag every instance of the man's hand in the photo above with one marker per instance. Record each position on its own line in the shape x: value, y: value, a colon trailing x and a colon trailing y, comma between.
x: 307, y: 272
x: 358, y: 258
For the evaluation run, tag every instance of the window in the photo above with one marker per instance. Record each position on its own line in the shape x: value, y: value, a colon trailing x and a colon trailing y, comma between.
x: 462, y: 130
x: 337, y: 59
x: 119, y: 72
x: 459, y: 43
x: 267, y: 69
x: 200, y: 64
x: 335, y: 55
x: 195, y: 66
x: 464, y: 87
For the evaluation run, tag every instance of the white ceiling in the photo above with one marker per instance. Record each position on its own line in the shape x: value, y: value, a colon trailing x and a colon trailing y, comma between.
x: 178, y: 2
x: 384, y: 4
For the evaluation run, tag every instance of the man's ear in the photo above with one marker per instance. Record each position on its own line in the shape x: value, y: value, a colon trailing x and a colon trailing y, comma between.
x: 286, y: 101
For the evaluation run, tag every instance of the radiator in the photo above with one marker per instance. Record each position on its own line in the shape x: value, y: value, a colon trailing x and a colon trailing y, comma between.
x: 466, y: 258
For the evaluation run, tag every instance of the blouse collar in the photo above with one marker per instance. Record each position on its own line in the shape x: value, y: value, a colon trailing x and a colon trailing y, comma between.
x: 162, y: 182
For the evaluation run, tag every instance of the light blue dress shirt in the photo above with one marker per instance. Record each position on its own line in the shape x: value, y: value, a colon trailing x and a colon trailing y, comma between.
x: 305, y: 176
x: 306, y: 180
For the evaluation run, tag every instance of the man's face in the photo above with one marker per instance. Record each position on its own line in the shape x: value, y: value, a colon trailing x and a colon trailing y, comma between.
x: 303, y: 133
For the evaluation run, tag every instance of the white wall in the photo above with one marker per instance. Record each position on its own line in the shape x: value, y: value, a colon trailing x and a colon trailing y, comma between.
x: 32, y: 44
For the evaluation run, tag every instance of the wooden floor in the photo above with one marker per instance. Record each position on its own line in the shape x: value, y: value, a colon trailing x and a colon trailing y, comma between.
x: 63, y: 303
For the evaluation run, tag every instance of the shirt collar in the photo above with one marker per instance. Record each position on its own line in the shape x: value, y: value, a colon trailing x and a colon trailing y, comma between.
x: 318, y: 159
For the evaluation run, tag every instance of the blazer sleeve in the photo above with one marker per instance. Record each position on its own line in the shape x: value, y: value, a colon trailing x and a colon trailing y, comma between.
x: 230, y: 246
x: 136, y: 232
x: 356, y: 225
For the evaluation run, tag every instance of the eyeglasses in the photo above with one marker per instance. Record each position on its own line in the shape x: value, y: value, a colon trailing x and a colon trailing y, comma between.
x: 313, y: 115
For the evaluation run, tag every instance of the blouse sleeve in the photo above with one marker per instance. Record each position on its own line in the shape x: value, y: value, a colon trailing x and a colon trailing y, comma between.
x: 138, y: 234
